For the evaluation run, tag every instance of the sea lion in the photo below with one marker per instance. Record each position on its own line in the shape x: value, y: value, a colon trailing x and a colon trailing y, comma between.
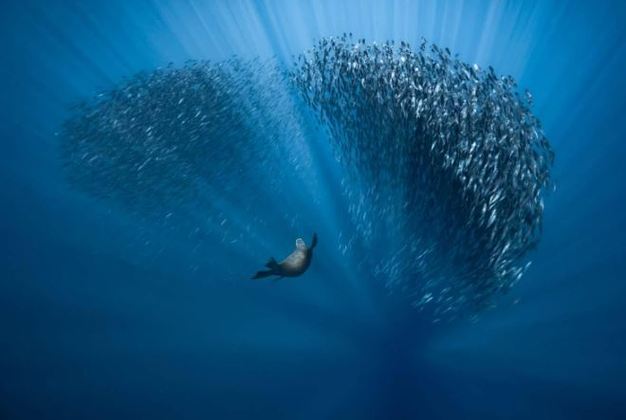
x: 295, y: 264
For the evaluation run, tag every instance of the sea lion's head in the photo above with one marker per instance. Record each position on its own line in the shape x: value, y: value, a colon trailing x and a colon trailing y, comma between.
x: 300, y: 244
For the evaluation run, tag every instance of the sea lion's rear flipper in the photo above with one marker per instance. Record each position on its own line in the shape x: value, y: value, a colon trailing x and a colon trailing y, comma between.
x: 263, y: 274
x: 271, y: 264
x: 273, y: 270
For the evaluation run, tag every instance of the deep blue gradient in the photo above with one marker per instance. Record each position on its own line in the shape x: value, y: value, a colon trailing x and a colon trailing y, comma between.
x: 106, y: 316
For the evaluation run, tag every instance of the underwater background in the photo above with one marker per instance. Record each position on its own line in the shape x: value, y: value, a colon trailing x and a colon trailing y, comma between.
x: 111, y: 312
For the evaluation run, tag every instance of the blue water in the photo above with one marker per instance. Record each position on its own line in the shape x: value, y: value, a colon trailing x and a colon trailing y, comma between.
x: 104, y: 314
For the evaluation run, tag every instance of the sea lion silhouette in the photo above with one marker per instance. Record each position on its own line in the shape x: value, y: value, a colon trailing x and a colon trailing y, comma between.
x: 295, y: 264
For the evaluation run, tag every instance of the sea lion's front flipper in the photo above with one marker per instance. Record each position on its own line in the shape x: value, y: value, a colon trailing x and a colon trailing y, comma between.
x: 314, y: 241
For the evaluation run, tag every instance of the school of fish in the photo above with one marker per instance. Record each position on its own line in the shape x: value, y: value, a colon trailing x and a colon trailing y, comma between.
x: 445, y: 163
x: 450, y: 161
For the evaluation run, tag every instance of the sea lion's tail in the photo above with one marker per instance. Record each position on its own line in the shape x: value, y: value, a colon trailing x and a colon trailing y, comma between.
x: 273, y: 267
